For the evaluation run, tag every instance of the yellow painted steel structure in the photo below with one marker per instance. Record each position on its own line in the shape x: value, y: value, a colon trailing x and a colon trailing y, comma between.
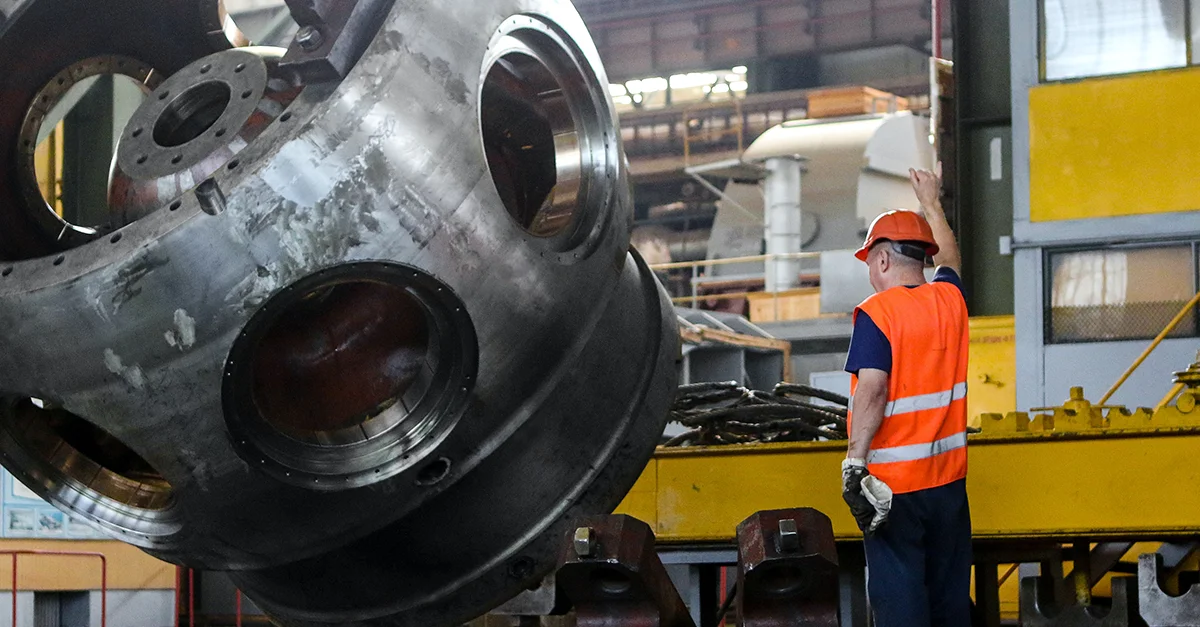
x: 992, y: 367
x: 1114, y: 146
x: 1080, y: 471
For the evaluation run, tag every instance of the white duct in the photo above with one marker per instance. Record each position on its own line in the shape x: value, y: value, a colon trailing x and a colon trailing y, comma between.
x: 781, y: 198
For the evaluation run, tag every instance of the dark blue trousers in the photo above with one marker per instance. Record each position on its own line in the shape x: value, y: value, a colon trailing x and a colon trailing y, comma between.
x: 919, y: 564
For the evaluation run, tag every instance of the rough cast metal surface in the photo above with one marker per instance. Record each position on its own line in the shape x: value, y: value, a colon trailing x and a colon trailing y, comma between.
x: 1038, y: 608
x: 359, y: 362
x: 614, y: 576
x: 787, y: 569
x: 1158, y: 608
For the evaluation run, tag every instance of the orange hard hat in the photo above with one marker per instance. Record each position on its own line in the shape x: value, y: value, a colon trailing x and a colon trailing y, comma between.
x: 899, y: 226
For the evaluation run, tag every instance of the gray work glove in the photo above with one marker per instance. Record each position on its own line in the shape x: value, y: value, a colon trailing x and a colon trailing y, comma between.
x: 869, y: 498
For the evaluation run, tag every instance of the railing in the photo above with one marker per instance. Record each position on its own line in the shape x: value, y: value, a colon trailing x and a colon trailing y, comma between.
x: 191, y: 609
x: 696, y: 277
x: 103, y: 577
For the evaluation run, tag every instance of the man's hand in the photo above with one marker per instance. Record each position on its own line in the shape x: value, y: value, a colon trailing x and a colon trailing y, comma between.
x: 853, y: 472
x: 869, y: 498
x: 928, y: 186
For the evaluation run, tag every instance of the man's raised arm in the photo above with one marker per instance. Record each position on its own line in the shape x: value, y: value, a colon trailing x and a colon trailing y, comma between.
x: 928, y: 187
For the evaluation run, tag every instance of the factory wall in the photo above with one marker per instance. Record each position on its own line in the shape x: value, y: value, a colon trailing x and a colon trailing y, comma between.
x: 1101, y: 162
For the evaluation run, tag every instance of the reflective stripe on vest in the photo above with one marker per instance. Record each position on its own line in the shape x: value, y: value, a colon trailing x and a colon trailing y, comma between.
x: 910, y: 404
x: 914, y: 452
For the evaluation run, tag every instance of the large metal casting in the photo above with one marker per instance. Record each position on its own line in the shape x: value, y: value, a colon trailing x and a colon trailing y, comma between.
x: 359, y: 320
x: 611, y: 574
x: 787, y: 570
x: 1158, y: 608
x: 1040, y: 609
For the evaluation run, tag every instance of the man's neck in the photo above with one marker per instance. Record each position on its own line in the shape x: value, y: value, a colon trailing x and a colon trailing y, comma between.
x: 907, y: 279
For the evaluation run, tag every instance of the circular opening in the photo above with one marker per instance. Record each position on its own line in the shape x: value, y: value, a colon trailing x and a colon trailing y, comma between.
x: 611, y: 582
x: 234, y: 164
x: 7, y: 271
x: 285, y: 117
x: 115, y: 238
x: 176, y: 205
x: 434, y: 472
x: 532, y: 143
x: 192, y: 113
x: 341, y: 356
x: 350, y: 377
x: 76, y: 191
x: 58, y: 261
x: 781, y: 580
x: 86, y: 455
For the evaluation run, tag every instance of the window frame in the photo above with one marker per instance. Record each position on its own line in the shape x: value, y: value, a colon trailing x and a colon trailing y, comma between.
x: 1191, y: 57
x: 1048, y: 255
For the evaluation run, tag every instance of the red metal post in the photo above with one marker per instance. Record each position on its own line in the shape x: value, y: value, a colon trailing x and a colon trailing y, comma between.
x: 103, y: 592
x: 239, y: 608
x: 936, y: 19
x: 191, y: 598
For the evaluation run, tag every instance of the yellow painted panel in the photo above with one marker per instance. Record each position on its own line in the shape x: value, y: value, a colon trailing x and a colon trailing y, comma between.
x: 128, y: 567
x: 642, y: 500
x: 1114, y: 146
x: 1024, y: 486
x: 992, y: 367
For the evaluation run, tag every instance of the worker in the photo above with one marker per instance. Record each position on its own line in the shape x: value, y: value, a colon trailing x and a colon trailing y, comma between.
x: 904, y: 476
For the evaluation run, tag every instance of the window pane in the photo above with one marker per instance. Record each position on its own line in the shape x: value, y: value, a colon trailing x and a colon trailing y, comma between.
x: 1119, y: 294
x: 1096, y: 37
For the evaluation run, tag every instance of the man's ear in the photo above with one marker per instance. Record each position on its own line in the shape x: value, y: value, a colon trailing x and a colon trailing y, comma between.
x: 885, y: 260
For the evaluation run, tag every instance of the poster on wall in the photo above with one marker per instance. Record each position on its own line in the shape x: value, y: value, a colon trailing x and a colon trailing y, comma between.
x: 24, y: 515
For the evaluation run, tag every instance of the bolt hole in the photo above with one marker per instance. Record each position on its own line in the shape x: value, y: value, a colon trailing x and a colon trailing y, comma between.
x: 206, y: 69
x: 137, y: 132
x: 115, y: 238
x: 434, y: 472
x: 62, y: 81
x: 176, y: 205
x: 285, y: 117
x: 234, y: 164
x: 164, y: 95
x: 58, y: 261
x: 221, y: 133
x: 142, y: 159
x: 177, y: 159
x: 7, y: 271
x: 240, y: 68
x: 246, y: 94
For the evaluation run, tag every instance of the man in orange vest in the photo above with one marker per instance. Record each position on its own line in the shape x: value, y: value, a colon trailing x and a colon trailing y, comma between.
x: 904, y: 476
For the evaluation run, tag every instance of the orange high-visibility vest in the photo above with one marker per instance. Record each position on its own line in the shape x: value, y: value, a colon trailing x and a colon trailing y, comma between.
x: 922, y: 442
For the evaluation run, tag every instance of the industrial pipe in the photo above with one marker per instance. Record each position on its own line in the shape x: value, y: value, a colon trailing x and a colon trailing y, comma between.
x: 781, y: 195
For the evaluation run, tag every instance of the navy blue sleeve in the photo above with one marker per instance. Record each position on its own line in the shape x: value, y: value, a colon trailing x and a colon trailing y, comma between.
x: 869, y: 347
x: 948, y: 275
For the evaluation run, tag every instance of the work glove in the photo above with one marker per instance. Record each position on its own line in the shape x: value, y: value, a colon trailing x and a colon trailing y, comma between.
x: 869, y: 498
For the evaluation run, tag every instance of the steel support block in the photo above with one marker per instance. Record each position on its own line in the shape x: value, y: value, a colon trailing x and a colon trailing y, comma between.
x: 609, y: 571
x: 787, y: 569
x: 1158, y: 608
x: 1038, y: 608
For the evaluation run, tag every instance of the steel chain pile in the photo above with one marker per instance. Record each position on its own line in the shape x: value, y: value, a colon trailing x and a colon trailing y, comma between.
x: 729, y: 413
